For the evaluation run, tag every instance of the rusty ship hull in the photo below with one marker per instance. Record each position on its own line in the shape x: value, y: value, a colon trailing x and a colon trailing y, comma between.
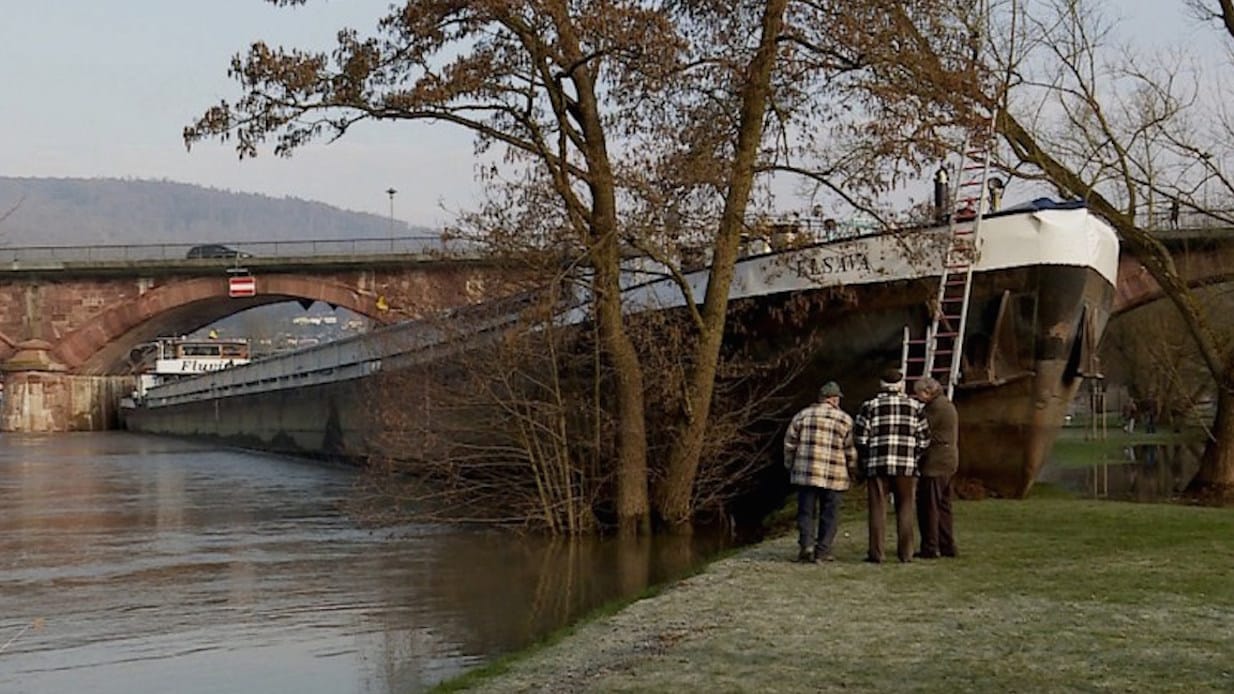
x: 1042, y: 289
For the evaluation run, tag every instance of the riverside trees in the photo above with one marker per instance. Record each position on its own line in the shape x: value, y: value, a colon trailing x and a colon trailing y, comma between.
x: 651, y: 126
x: 612, y: 114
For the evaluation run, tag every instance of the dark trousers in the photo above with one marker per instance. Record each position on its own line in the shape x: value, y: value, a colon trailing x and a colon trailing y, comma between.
x: 902, y: 488
x: 818, y: 512
x: 934, y: 516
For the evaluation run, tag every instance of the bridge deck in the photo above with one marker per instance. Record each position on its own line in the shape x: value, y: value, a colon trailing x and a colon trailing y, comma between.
x: 264, y: 254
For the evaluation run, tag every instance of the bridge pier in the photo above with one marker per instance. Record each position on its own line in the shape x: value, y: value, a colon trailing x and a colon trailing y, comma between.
x: 40, y: 396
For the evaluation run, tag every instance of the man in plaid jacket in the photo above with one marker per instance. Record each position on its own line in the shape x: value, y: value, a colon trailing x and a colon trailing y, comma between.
x: 891, y: 432
x: 819, y: 453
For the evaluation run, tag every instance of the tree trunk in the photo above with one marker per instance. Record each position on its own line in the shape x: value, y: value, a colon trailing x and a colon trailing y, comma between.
x: 674, y: 499
x: 633, y: 506
x: 1216, y: 473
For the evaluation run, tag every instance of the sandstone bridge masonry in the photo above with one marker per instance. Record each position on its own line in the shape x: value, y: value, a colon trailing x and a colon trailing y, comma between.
x: 67, y: 327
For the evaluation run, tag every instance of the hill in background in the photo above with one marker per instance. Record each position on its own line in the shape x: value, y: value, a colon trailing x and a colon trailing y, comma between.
x: 74, y: 211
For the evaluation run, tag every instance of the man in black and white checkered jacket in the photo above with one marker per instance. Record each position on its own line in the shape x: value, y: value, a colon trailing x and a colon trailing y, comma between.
x: 891, y: 433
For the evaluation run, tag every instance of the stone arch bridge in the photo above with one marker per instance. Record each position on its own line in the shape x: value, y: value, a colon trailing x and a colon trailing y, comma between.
x: 1203, y: 257
x: 69, y: 318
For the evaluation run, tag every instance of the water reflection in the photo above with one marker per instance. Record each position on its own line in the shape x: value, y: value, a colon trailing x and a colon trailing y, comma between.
x: 1145, y: 472
x: 159, y: 565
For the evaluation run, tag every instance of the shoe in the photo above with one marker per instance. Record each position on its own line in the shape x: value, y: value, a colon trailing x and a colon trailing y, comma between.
x: 805, y: 556
x: 873, y: 560
x: 950, y: 555
x: 826, y: 556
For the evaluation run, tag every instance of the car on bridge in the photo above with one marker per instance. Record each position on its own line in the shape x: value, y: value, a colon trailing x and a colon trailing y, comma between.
x: 215, y: 250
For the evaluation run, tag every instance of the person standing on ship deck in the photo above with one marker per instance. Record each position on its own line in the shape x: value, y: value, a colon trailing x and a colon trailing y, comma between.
x: 938, y: 468
x: 821, y: 461
x: 891, y: 433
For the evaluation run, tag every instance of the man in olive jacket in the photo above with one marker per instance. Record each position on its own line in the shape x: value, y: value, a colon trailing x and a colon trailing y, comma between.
x: 938, y: 467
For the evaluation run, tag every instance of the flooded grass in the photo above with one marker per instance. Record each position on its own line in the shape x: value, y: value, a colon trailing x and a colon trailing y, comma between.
x: 1077, y: 447
x: 1144, y: 467
x: 1050, y: 594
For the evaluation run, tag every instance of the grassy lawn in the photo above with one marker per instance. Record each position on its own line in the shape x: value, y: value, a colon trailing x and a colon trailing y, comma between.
x: 1050, y: 594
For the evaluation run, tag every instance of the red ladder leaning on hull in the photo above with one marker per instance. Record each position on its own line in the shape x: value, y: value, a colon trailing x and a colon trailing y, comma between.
x: 938, y: 352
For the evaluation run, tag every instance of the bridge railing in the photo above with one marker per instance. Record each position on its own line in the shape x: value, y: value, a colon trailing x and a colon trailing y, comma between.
x: 1188, y: 220
x: 356, y: 247
x: 392, y: 346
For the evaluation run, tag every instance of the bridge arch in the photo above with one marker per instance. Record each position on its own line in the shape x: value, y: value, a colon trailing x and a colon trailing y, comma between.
x: 1210, y: 263
x: 99, y: 345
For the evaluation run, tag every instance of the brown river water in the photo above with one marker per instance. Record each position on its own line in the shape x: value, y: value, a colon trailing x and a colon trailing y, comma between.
x: 140, y: 564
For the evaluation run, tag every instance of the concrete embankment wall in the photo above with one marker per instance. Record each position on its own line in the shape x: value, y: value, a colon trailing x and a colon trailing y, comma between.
x: 41, y: 402
x: 331, y: 420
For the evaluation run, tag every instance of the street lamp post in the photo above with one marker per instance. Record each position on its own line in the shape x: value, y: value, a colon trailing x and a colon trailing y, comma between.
x: 391, y: 192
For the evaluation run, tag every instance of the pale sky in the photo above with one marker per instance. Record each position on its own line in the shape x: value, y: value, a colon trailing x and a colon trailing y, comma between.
x: 104, y: 89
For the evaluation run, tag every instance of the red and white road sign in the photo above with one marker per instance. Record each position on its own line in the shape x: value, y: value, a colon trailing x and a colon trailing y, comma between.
x: 245, y: 285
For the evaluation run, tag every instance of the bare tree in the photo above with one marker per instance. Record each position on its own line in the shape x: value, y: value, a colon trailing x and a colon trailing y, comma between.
x: 587, y: 99
x: 505, y: 419
x: 9, y: 212
x: 1150, y: 351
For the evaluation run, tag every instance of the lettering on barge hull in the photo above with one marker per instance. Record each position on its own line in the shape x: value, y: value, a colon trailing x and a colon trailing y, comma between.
x: 846, y: 262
